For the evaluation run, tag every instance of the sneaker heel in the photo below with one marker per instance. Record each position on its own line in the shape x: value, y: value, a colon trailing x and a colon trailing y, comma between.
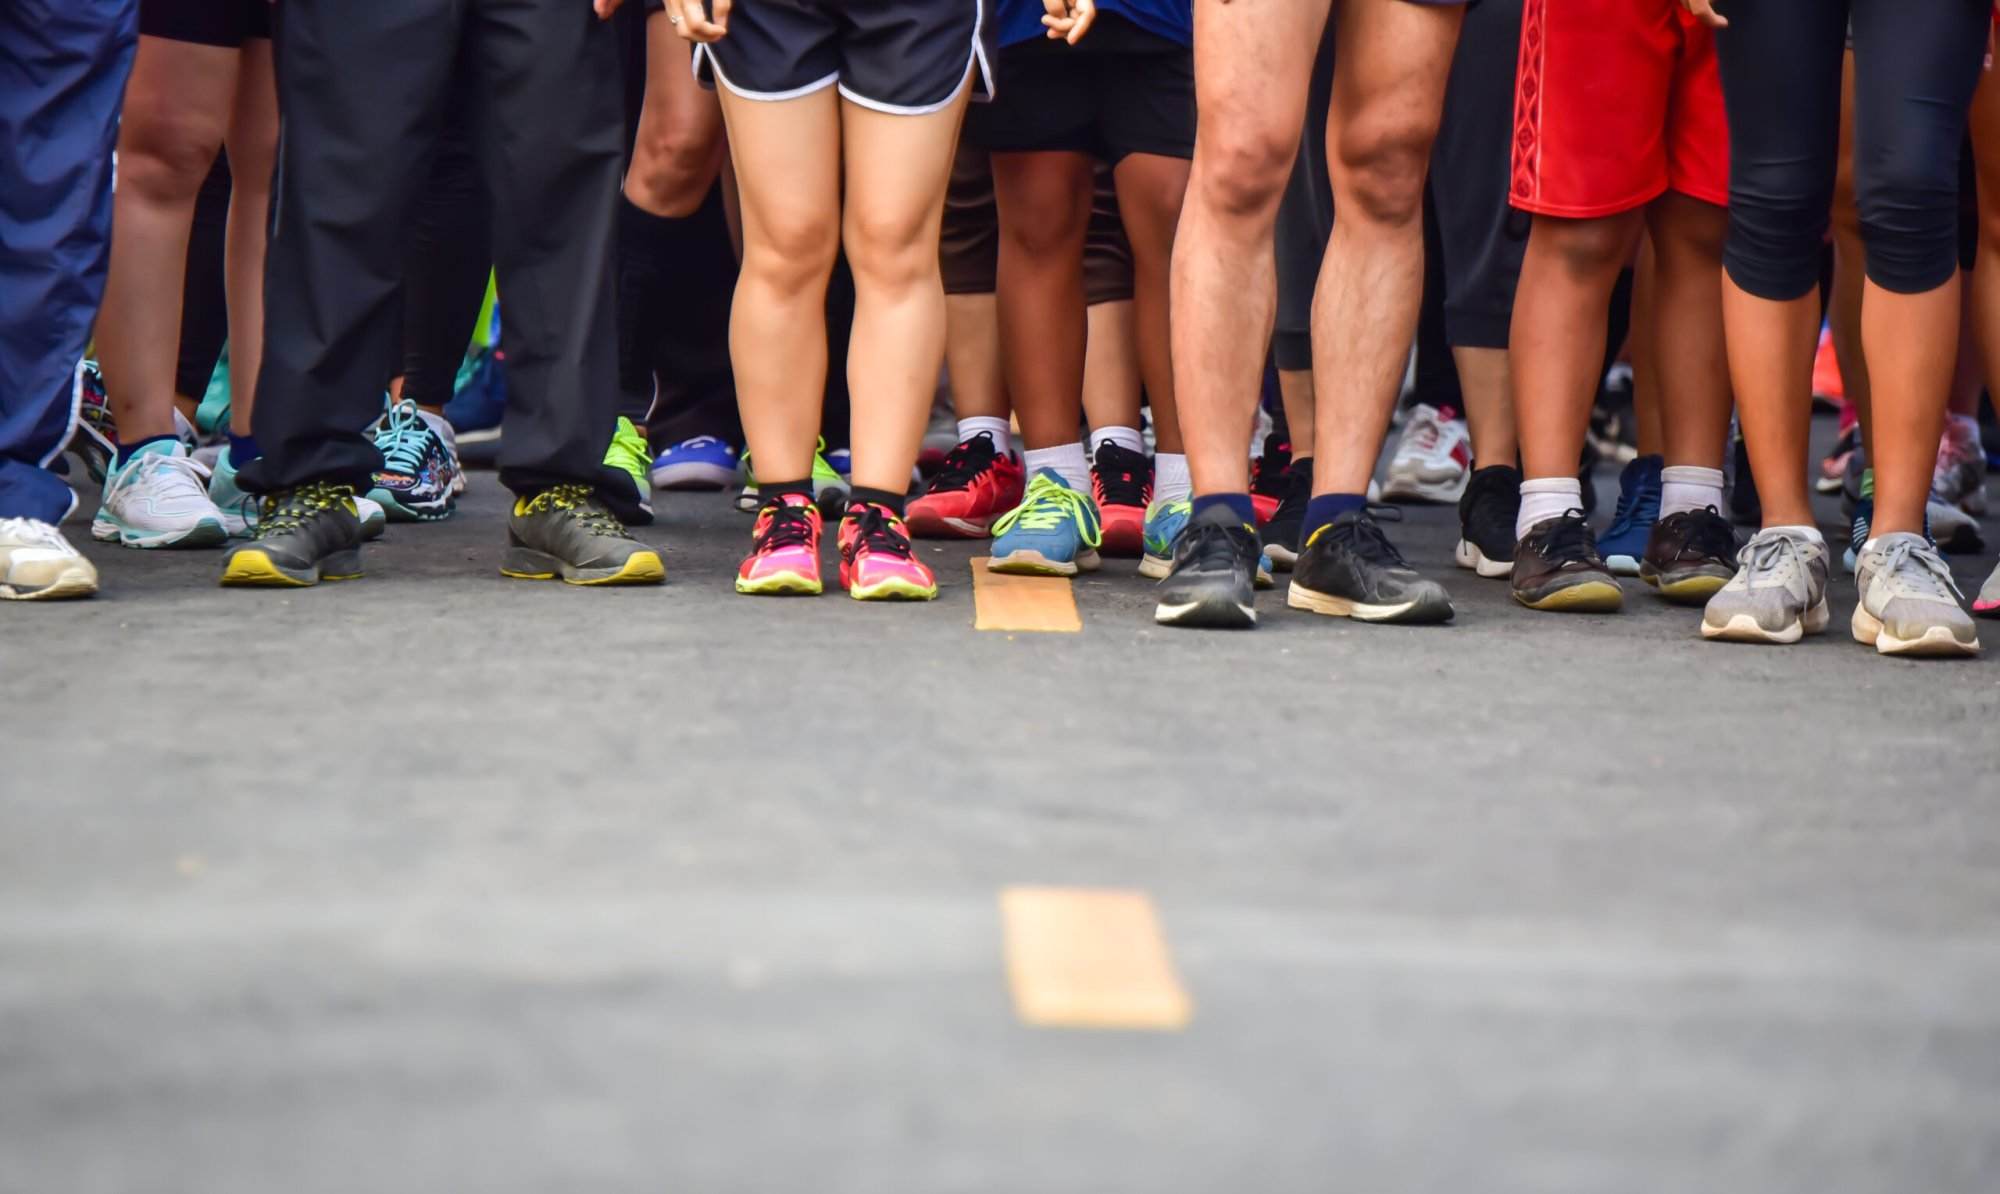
x: 341, y: 565
x: 523, y: 563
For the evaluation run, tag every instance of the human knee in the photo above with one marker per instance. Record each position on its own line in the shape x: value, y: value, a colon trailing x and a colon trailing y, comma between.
x: 672, y: 170
x: 792, y: 254
x: 166, y: 155
x: 1379, y: 173
x: 1908, y: 200
x: 1778, y: 218
x: 1585, y: 248
x: 1241, y: 168
x: 889, y: 250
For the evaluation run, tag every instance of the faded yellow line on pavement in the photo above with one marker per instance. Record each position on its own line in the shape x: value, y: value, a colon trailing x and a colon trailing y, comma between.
x: 1090, y: 958
x: 1032, y: 603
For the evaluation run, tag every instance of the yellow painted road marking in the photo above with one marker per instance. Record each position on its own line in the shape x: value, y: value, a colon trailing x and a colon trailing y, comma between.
x: 1034, y: 603
x: 1090, y: 958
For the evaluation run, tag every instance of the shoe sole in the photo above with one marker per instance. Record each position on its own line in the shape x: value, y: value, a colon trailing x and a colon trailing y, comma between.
x: 926, y: 526
x: 1623, y: 565
x: 1034, y: 563
x: 1986, y: 611
x: 1936, y: 643
x: 396, y: 511
x: 1282, y: 558
x: 639, y: 568
x: 1123, y: 540
x: 252, y: 568
x: 1413, y: 613
x: 206, y: 533
x: 1745, y: 629
x: 74, y: 581
x: 699, y: 478
x: 781, y: 584
x: 1154, y: 567
x: 1693, y: 589
x: 1416, y: 489
x: 1589, y: 597
x: 1207, y: 614
x: 893, y: 589
x: 1468, y: 556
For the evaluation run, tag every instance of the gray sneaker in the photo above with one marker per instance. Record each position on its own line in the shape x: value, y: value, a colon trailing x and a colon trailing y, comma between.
x: 1778, y: 594
x: 1909, y: 602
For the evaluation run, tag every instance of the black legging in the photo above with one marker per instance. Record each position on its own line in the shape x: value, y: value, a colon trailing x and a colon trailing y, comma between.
x: 1916, y: 63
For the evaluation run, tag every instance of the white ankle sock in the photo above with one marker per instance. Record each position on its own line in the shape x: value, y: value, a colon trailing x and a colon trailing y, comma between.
x: 1003, y: 438
x: 1811, y: 533
x: 1127, y: 438
x: 1689, y: 487
x: 1066, y: 459
x: 1170, y: 477
x: 1547, y: 497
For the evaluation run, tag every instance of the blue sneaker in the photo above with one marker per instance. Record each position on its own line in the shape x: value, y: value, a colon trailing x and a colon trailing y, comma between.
x: 479, y: 399
x: 419, y: 481
x: 239, y: 508
x: 1623, y: 543
x: 1053, y: 532
x: 1164, y: 523
x: 211, y: 418
x: 703, y: 462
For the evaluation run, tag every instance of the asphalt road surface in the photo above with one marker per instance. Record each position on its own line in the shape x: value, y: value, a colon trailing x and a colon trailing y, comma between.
x: 438, y: 882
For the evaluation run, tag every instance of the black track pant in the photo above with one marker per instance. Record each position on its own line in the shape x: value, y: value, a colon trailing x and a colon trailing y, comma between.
x: 362, y: 84
x: 1916, y: 63
x: 449, y: 254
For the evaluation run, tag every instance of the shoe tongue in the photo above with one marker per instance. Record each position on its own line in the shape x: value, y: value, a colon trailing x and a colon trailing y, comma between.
x: 1050, y: 474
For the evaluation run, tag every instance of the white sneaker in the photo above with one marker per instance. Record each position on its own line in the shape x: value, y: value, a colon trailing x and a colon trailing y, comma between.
x: 1909, y: 601
x: 159, y: 498
x: 1433, y: 457
x: 1778, y: 594
x: 38, y: 564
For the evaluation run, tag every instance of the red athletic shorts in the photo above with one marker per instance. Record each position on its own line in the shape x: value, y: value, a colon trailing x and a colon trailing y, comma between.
x: 1616, y: 102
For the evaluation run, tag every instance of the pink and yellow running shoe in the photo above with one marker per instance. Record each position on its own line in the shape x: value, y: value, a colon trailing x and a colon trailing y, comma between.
x: 877, y: 562
x: 784, y: 549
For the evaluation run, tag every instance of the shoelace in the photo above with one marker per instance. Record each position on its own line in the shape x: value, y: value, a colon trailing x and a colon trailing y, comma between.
x: 1213, y: 546
x: 1364, y: 537
x: 879, y: 532
x: 27, y: 532
x: 1638, y: 506
x: 1044, y: 508
x: 179, y: 471
x: 1570, y: 538
x: 628, y: 450
x: 291, y: 511
x: 1120, y: 477
x: 1762, y: 559
x: 582, y: 506
x: 404, y: 438
x: 789, y: 526
x: 1919, y: 571
x: 1712, y: 537
x: 964, y: 464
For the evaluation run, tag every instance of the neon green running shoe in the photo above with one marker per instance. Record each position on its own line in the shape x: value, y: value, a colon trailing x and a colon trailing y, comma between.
x: 829, y: 487
x: 629, y: 454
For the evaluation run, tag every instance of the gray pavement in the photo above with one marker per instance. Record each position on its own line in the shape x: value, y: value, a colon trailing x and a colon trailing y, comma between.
x: 440, y: 882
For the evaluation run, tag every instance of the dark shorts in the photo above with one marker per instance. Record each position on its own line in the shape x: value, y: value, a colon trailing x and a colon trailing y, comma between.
x: 904, y: 57
x: 969, y: 245
x: 224, y: 23
x: 1119, y: 91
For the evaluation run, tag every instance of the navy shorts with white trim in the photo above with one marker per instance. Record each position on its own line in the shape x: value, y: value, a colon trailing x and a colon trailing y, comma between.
x: 906, y: 57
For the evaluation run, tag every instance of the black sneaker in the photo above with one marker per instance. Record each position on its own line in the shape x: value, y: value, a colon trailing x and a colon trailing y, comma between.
x: 1690, y: 556
x: 565, y: 531
x: 304, y: 536
x: 1214, y: 580
x: 1486, y: 515
x: 1269, y: 476
x: 1281, y: 534
x: 1349, y: 569
x: 1556, y: 567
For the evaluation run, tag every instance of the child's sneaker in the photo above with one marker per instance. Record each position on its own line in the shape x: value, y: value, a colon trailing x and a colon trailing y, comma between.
x: 1053, y: 532
x: 784, y: 549
x: 877, y: 562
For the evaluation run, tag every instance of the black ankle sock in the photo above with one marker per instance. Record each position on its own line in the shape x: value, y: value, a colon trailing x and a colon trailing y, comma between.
x: 876, y: 497
x: 773, y: 490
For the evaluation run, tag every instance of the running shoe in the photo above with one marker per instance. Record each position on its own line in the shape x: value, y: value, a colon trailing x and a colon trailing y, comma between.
x: 1857, y: 497
x: 1213, y: 583
x: 419, y: 481
x: 1987, y: 604
x: 159, y: 498
x: 1557, y: 567
x: 1270, y: 472
x: 1778, y: 594
x: 1053, y: 532
x: 630, y: 455
x: 1486, y: 517
x: 1433, y: 458
x: 829, y: 487
x: 304, y: 536
x: 96, y: 436
x: 237, y: 506
x: 877, y: 562
x: 567, y: 532
x: 784, y: 550
x: 478, y: 405
x: 1951, y: 527
x: 1623, y: 543
x: 38, y: 564
x: 1349, y: 569
x: 1746, y: 508
x: 1960, y: 477
x: 1121, y: 482
x: 1829, y: 389
x: 1281, y: 532
x: 978, y: 482
x: 1909, y: 601
x: 701, y: 462
x: 1833, y: 468
x: 1165, y: 520
x: 1691, y: 556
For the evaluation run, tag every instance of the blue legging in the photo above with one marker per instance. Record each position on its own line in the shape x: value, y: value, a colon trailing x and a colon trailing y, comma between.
x: 1916, y: 63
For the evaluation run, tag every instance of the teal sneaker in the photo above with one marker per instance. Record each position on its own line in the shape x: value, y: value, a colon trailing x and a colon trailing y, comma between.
x: 211, y: 418
x: 1053, y: 532
x: 1164, y: 521
x: 158, y: 498
x: 238, y: 508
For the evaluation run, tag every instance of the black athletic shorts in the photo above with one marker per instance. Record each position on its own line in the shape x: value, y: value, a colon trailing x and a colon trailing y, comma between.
x: 206, y: 22
x: 1119, y: 91
x: 904, y: 57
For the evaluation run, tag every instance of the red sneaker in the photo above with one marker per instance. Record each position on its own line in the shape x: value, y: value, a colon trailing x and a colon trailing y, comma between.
x: 1121, y: 481
x: 1828, y: 387
x: 1267, y: 477
x: 978, y: 483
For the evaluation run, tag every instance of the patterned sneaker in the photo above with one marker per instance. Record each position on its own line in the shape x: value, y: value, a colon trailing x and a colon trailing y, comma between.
x: 567, y: 531
x: 976, y: 485
x: 630, y: 455
x: 38, y: 564
x: 877, y: 562
x: 1909, y: 601
x: 1053, y: 532
x: 1778, y: 594
x: 1165, y: 520
x: 1689, y: 557
x: 159, y: 498
x: 1623, y: 543
x: 419, y: 481
x: 1270, y: 476
x: 784, y: 550
x: 1433, y: 458
x: 304, y: 536
x: 702, y: 462
x: 1121, y: 483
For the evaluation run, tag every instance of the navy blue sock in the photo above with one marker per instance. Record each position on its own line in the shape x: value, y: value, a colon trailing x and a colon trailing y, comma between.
x: 242, y: 449
x: 127, y: 451
x: 1237, y: 504
x: 1325, y: 508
